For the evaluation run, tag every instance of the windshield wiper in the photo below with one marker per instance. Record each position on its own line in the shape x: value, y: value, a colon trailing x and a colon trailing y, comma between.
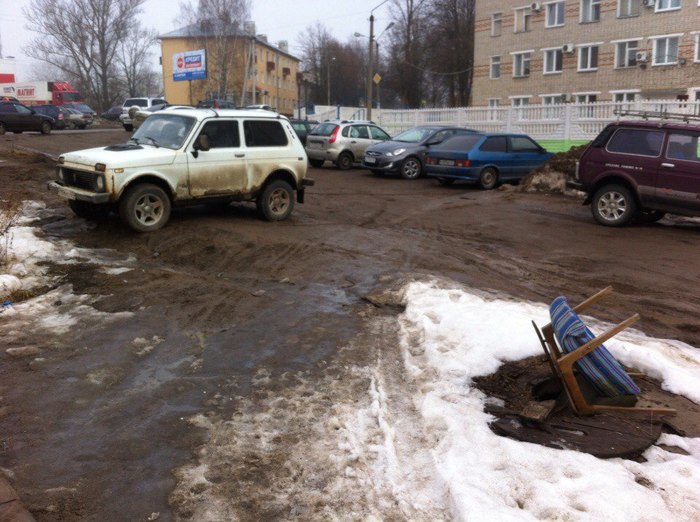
x: 153, y: 141
x: 135, y: 140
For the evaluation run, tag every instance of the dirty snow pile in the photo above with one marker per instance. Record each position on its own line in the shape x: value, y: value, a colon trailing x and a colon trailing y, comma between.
x: 450, y: 335
x: 25, y: 248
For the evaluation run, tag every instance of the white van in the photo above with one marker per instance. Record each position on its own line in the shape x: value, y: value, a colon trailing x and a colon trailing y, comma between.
x: 184, y: 156
x: 141, y: 103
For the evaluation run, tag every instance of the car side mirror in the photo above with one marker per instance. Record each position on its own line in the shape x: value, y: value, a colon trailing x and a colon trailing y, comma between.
x: 432, y: 142
x: 201, y: 143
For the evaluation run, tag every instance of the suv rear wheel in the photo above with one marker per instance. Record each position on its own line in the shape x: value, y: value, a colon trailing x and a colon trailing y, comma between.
x: 276, y: 201
x: 613, y: 206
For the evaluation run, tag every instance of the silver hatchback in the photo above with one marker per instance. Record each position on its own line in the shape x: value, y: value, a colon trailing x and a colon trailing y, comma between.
x: 342, y: 141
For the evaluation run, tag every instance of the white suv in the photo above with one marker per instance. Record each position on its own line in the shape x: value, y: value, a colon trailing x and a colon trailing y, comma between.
x: 188, y: 156
x: 141, y: 103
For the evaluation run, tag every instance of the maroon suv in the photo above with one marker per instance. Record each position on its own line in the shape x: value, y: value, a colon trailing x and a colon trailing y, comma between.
x: 641, y: 170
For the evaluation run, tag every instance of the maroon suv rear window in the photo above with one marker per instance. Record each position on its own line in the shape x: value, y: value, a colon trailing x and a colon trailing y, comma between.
x: 640, y: 142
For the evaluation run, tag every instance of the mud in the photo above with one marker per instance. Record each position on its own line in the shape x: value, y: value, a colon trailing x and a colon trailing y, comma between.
x: 214, y: 364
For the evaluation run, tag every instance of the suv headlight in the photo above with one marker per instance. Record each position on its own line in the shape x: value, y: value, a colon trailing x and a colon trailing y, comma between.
x: 397, y: 152
x: 100, y: 183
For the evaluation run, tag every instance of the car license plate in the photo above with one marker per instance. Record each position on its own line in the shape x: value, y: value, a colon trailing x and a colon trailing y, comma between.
x: 369, y: 159
x: 65, y: 193
x: 449, y: 163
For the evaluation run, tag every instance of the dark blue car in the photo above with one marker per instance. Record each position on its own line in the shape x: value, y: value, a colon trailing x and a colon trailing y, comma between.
x: 485, y: 158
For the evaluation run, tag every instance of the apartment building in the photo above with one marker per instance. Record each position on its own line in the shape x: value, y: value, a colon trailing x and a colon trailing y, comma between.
x: 262, y: 72
x: 558, y: 51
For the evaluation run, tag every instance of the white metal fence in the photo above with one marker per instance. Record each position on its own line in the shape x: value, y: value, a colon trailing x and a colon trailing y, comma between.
x: 570, y: 121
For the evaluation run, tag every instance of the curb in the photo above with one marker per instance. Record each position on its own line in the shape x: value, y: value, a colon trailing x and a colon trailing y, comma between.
x: 11, y: 509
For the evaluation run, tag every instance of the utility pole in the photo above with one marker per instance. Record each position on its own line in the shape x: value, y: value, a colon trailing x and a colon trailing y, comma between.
x: 370, y: 64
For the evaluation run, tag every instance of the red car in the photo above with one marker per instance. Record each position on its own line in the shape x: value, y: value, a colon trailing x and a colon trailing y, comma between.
x: 639, y: 170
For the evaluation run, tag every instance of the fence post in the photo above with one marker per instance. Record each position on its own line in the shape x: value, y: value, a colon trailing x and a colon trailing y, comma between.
x: 509, y: 119
x: 568, y: 115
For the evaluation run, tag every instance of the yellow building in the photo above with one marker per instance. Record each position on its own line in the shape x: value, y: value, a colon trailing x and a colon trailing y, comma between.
x: 271, y: 70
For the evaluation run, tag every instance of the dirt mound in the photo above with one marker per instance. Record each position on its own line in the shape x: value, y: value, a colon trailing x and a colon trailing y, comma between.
x: 553, y: 175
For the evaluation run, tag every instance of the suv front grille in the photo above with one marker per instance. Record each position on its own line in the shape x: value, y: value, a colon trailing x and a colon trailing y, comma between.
x: 81, y: 179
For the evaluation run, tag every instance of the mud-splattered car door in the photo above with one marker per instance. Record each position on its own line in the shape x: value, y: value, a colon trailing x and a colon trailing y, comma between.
x: 269, y: 149
x: 221, y: 170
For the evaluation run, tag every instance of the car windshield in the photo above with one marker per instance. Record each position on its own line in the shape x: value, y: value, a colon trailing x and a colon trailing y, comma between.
x: 459, y: 143
x: 71, y: 97
x: 164, y: 130
x: 415, y: 135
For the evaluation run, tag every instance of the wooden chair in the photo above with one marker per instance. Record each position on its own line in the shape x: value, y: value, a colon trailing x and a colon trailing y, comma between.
x: 562, y: 365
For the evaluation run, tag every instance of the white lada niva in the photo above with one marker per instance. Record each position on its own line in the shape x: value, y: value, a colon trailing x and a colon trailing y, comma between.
x: 182, y: 155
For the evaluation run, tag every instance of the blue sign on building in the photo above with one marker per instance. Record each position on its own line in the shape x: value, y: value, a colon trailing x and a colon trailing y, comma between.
x: 190, y: 65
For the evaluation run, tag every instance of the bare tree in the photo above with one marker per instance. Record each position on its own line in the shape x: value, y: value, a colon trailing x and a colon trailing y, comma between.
x: 217, y: 25
x: 81, y: 38
x: 131, y: 59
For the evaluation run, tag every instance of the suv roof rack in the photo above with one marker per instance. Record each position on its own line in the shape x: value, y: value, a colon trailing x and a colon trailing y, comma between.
x: 661, y: 115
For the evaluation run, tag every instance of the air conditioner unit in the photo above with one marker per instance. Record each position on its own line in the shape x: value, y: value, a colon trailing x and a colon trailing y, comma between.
x: 648, y: 3
x: 566, y: 98
x: 568, y: 48
x: 536, y: 6
x: 641, y: 56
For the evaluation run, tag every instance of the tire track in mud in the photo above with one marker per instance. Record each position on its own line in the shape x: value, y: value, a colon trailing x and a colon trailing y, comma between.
x: 342, y: 440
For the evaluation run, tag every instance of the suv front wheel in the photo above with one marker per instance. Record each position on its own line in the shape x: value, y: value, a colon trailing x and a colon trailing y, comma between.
x: 613, y: 206
x: 145, y: 207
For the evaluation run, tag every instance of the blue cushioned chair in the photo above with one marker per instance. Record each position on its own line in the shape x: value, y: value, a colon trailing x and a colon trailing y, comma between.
x: 569, y: 344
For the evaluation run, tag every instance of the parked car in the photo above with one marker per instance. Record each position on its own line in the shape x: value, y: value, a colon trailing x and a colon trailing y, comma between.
x: 641, y: 170
x: 74, y: 118
x: 406, y: 152
x: 302, y: 128
x: 142, y: 103
x: 18, y: 118
x: 342, y: 141
x: 87, y: 111
x: 485, y: 158
x: 54, y: 111
x: 112, y: 114
x: 216, y: 104
x: 188, y: 156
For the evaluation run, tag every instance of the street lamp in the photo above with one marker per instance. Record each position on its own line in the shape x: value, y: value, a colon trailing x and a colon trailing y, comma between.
x: 370, y: 65
x: 328, y: 77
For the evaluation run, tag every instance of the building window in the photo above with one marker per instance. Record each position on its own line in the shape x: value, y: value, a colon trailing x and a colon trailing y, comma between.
x: 696, y: 55
x: 586, y: 98
x: 521, y: 101
x: 553, y: 99
x: 624, y: 101
x: 626, y: 53
x: 496, y: 24
x: 588, y: 58
x: 494, y: 103
x: 555, y: 14
x: 590, y: 11
x: 521, y: 64
x: 495, y: 71
x: 548, y: 101
x: 523, y: 18
x: 665, y: 50
x: 667, y: 5
x: 627, y: 8
x: 552, y: 61
x: 586, y: 109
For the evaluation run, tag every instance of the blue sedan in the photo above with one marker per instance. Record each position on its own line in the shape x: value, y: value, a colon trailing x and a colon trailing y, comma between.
x: 484, y: 158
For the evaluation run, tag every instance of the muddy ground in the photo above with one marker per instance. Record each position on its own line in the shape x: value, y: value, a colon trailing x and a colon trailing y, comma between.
x: 259, y: 328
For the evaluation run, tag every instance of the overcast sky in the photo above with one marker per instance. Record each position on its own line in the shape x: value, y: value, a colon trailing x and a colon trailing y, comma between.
x: 278, y: 19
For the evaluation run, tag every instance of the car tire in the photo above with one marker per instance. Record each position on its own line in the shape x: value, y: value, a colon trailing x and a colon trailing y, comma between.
x: 276, y: 201
x: 145, y: 207
x: 128, y: 127
x: 89, y: 211
x: 344, y: 161
x: 488, y: 178
x: 45, y: 127
x: 411, y: 168
x: 613, y: 206
x: 316, y: 163
x: 2, y: 129
x: 71, y: 126
x: 446, y: 181
x: 650, y: 216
